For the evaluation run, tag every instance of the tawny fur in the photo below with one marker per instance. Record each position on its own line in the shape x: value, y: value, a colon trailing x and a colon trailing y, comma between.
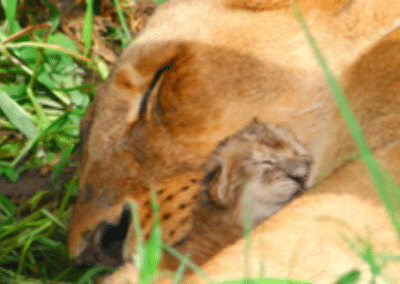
x: 307, y: 240
x: 227, y: 62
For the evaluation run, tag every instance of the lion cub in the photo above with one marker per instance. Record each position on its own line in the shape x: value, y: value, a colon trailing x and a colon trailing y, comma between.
x: 265, y: 161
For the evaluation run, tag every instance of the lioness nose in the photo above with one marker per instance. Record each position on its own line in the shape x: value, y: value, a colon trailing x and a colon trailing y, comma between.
x: 103, y: 246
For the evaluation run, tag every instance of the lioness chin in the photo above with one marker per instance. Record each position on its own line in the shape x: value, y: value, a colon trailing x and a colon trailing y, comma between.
x: 200, y: 72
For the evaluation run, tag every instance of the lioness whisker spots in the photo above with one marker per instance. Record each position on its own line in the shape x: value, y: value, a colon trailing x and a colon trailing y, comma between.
x: 184, y: 188
x: 166, y: 216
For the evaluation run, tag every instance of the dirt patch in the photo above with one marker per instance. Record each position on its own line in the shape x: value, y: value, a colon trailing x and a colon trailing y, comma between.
x: 30, y: 183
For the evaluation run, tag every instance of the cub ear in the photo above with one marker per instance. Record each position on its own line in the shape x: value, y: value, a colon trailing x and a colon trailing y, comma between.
x: 225, y: 175
x: 138, y: 75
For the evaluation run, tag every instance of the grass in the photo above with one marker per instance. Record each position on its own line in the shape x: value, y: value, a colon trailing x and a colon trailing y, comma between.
x: 33, y: 240
x: 43, y: 95
x: 42, y: 100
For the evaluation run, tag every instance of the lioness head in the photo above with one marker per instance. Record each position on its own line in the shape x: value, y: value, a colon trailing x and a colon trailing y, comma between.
x: 199, y: 73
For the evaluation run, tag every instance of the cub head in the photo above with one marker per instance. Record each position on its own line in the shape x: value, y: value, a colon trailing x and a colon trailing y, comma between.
x: 264, y: 164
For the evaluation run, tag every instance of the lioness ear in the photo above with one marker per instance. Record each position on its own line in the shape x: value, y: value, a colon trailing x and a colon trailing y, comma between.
x: 138, y: 74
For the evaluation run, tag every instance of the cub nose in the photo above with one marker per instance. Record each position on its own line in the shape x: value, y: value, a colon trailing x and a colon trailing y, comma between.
x: 103, y: 245
x: 298, y: 168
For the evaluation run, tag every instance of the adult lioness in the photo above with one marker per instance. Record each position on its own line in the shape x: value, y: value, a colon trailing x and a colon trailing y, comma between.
x: 201, y: 71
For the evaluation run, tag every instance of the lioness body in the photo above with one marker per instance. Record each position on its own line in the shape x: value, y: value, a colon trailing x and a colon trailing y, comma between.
x: 200, y: 72
x: 324, y: 234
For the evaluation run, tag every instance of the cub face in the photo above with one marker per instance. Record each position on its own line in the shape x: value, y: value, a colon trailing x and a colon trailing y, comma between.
x: 263, y: 165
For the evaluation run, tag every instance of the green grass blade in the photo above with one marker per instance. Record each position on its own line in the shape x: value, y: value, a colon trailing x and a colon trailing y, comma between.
x: 28, y: 146
x: 350, y: 278
x: 180, y: 272
x: 189, y: 263
x: 54, y: 16
x: 140, y: 247
x: 152, y: 253
x: 43, y: 120
x: 55, y: 47
x: 386, y: 185
x: 88, y: 26
x: 17, y: 115
x: 6, y: 206
x: 264, y: 281
x: 52, y: 218
x: 58, y: 169
x: 37, y: 138
x: 158, y: 2
x: 27, y: 245
x: 71, y: 187
x: 121, y: 18
x: 102, y: 68
x: 10, y: 9
x: 87, y: 277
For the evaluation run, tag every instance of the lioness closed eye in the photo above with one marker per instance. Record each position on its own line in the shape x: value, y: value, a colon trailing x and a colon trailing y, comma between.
x: 200, y: 72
